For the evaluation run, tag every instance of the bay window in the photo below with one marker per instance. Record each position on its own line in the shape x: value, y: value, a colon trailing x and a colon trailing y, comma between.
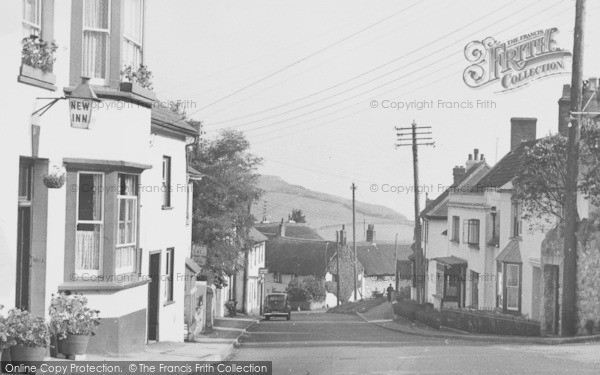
x: 90, y: 223
x: 127, y: 227
x: 133, y: 13
x: 509, y: 286
x: 32, y: 18
x: 102, y: 224
x: 512, y: 287
x: 96, y: 39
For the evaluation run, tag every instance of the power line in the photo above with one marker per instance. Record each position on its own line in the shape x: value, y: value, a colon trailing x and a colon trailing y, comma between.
x: 393, y: 89
x: 371, y: 80
x: 304, y: 58
x: 365, y: 73
x: 274, y: 52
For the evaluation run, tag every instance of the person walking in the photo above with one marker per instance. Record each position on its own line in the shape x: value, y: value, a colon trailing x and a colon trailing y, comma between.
x: 390, y: 290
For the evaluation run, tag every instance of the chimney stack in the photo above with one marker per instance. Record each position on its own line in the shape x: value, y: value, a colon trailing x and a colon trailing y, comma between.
x: 371, y: 233
x: 458, y: 173
x: 564, y: 103
x: 522, y: 129
x: 282, y: 228
x: 473, y: 159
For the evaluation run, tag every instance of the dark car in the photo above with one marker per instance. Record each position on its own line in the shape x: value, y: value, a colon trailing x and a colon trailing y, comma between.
x: 276, y: 304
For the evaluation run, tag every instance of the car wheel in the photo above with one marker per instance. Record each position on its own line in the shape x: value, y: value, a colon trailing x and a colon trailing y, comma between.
x: 289, y: 316
x: 267, y: 317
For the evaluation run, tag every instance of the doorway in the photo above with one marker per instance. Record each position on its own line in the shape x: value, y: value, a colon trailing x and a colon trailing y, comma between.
x: 23, y: 285
x: 153, y: 295
x: 474, y: 290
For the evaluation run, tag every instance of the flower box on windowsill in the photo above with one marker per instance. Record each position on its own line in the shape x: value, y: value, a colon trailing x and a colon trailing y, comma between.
x: 37, y: 77
x: 137, y: 90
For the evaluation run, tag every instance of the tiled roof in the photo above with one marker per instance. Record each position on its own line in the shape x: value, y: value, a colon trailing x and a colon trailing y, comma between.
x: 298, y: 257
x: 511, y: 253
x: 165, y: 118
x: 194, y: 174
x: 438, y: 208
x: 451, y: 260
x: 378, y: 259
x: 506, y: 169
x: 192, y: 266
x: 292, y: 230
x: 256, y: 236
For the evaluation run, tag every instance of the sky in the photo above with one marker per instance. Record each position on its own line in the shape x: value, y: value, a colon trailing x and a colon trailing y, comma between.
x: 311, y: 83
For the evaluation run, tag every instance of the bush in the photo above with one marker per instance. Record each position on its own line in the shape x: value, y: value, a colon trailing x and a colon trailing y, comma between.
x: 407, y: 308
x: 307, y: 289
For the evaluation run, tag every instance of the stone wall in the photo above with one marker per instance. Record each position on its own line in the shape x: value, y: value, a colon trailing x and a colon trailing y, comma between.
x: 588, y: 274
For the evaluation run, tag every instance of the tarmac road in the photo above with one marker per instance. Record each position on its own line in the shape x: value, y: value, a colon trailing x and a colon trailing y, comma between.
x: 321, y: 343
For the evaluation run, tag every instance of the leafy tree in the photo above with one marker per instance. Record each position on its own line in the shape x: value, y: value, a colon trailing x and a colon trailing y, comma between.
x: 308, y: 288
x: 222, y: 201
x: 540, y: 183
x: 297, y: 216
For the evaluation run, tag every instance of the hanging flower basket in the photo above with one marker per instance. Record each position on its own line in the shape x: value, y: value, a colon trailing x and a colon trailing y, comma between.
x: 55, y: 178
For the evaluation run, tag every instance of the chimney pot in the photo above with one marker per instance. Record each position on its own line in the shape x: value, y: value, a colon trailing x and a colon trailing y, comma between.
x: 482, y: 158
x: 475, y: 153
x: 470, y: 156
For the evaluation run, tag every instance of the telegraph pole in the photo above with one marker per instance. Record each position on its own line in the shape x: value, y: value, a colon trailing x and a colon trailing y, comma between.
x: 353, y: 188
x: 421, y: 138
x: 568, y: 317
x: 396, y: 260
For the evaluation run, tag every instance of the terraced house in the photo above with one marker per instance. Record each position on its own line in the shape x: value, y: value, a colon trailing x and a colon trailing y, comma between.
x: 96, y: 196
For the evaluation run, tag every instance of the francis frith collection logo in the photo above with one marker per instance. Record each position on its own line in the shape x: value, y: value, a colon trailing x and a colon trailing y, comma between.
x: 514, y: 63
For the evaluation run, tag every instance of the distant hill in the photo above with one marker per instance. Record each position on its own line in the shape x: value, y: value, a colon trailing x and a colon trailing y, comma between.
x: 326, y: 213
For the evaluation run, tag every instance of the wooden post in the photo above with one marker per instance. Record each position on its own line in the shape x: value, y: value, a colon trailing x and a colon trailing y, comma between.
x: 415, y: 138
x: 569, y: 296
x: 353, y: 187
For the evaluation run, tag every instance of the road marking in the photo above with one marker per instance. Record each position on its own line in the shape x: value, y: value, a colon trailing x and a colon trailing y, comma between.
x: 381, y: 321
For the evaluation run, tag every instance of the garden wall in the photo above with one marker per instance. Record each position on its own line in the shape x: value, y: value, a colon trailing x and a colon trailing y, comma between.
x: 483, y: 322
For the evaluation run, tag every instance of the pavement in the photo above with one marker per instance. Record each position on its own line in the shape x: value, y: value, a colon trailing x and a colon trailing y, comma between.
x: 215, y: 345
x: 319, y: 343
x: 384, y: 317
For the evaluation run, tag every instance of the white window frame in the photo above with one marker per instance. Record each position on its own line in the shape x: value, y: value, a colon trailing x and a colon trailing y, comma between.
x: 128, y: 269
x: 473, y: 229
x: 97, y: 80
x: 94, y: 222
x: 516, y: 220
x: 31, y: 25
x: 455, y: 228
x: 169, y: 288
x: 129, y: 39
x: 513, y: 287
x: 167, y: 181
